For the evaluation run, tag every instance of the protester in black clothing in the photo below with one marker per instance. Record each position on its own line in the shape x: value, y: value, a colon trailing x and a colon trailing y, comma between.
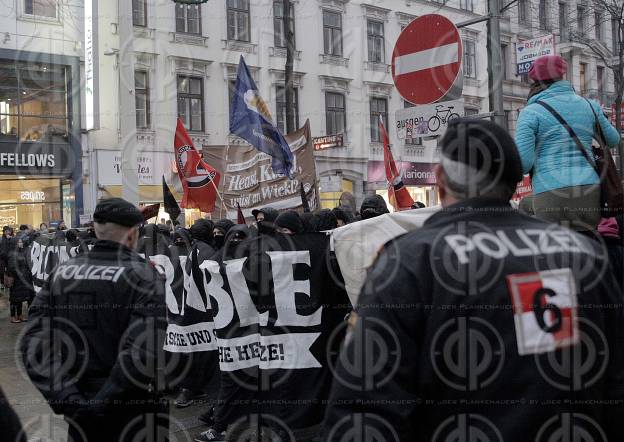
x: 109, y: 306
x: 326, y: 220
x: 200, y: 366
x: 203, y: 230
x: 221, y: 229
x: 372, y: 206
x: 473, y: 313
x: 343, y: 215
x: 265, y: 220
x: 309, y: 222
x: 182, y: 240
x: 289, y: 223
x: 153, y: 241
x: 6, y: 246
x: 21, y: 288
x: 10, y: 425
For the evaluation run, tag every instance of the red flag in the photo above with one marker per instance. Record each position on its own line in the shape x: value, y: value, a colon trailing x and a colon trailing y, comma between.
x: 199, y: 179
x: 150, y: 212
x: 397, y: 193
x: 241, y: 217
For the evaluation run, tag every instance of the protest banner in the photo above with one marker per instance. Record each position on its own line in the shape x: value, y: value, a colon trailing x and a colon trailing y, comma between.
x: 356, y: 245
x: 279, y: 306
x: 249, y: 180
x: 190, y: 327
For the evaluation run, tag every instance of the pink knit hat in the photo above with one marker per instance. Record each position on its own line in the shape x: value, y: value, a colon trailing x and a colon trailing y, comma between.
x: 609, y: 227
x: 548, y: 67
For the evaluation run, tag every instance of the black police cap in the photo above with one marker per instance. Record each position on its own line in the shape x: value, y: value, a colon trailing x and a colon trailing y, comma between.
x: 117, y: 211
x: 484, y: 146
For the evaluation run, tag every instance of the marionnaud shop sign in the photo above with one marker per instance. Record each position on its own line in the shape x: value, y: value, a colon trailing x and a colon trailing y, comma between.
x: 413, y: 174
x: 35, y: 159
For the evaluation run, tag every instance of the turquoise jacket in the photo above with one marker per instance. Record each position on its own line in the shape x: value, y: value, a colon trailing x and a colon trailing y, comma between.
x: 546, y: 146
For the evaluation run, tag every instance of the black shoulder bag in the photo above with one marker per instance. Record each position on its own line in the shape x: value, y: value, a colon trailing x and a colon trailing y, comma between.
x: 611, y: 191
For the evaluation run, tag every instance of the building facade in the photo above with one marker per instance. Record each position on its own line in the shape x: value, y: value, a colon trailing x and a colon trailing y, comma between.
x: 583, y: 36
x: 69, y: 69
x: 40, y: 132
x: 185, y: 59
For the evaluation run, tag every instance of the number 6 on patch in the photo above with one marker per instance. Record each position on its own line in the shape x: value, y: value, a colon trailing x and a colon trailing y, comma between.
x: 544, y: 306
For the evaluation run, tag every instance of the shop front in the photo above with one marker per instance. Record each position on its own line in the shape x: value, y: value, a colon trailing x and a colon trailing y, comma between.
x: 40, y: 155
x: 418, y: 178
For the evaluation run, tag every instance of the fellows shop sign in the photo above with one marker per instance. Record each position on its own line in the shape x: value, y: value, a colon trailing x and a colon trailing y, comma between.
x: 35, y: 159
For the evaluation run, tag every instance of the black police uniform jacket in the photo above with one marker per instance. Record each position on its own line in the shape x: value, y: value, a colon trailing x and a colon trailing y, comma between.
x: 97, y: 331
x: 439, y: 350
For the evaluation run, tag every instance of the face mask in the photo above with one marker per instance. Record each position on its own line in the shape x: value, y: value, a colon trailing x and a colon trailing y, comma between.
x: 219, y: 240
x: 266, y: 227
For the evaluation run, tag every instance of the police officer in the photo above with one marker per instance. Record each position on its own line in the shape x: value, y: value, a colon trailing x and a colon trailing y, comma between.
x: 485, y: 324
x: 94, y: 344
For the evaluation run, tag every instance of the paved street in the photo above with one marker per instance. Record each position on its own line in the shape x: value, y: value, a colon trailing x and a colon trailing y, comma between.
x: 36, y: 416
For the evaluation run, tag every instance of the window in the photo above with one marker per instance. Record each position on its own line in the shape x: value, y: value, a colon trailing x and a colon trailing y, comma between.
x: 504, y: 60
x: 41, y: 8
x: 524, y: 13
x: 583, y: 78
x: 543, y: 14
x: 142, y: 99
x: 599, y: 23
x: 600, y: 79
x: 376, y: 50
x: 470, y: 59
x: 33, y: 102
x: 335, y: 113
x: 332, y: 33
x: 238, y: 23
x: 563, y: 21
x: 466, y: 4
x: 280, y: 104
x: 471, y: 111
x: 507, y: 120
x: 278, y: 24
x: 411, y: 141
x: 188, y: 18
x: 615, y: 32
x: 580, y: 20
x: 378, y: 107
x: 191, y: 102
x: 139, y: 12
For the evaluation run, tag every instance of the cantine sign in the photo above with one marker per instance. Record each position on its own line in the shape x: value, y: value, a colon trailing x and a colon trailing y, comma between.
x: 413, y: 174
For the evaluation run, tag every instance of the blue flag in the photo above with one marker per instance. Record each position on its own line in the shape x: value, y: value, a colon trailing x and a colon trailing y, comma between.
x: 250, y: 119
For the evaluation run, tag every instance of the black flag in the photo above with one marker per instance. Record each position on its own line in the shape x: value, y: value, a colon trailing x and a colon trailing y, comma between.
x: 171, y: 205
x: 304, y: 199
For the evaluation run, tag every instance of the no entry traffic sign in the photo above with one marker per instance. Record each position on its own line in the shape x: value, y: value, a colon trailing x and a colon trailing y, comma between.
x: 426, y: 60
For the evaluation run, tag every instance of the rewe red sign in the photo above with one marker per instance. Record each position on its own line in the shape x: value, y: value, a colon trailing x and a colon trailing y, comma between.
x: 427, y: 59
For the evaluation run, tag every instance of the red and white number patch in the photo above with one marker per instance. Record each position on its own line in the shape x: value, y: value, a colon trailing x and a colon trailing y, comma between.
x: 545, y: 305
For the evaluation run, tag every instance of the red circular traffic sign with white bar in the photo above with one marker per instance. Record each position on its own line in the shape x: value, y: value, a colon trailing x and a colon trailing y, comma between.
x: 427, y: 59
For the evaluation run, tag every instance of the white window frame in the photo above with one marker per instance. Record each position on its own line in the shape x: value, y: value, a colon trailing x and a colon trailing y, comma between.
x: 466, y: 43
x: 55, y: 19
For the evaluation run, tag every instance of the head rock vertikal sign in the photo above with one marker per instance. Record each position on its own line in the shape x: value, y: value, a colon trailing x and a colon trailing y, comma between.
x: 249, y: 180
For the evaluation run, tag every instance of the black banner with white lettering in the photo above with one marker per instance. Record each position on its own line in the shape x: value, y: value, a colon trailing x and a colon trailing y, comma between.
x: 278, y: 305
x: 190, y: 320
x: 45, y: 253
